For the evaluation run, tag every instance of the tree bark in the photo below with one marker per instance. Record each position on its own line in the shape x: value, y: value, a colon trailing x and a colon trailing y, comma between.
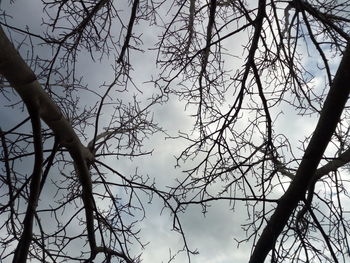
x: 328, y: 120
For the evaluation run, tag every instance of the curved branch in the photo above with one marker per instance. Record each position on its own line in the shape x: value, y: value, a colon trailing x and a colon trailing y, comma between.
x: 22, y: 248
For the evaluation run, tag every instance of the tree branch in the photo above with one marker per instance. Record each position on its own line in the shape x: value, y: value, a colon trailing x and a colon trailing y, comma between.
x: 24, y: 81
x: 329, y: 118
x: 129, y: 30
x: 22, y: 248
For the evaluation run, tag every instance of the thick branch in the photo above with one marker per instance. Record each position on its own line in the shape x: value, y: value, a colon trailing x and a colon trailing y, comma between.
x: 23, y: 79
x: 333, y: 165
x: 329, y: 118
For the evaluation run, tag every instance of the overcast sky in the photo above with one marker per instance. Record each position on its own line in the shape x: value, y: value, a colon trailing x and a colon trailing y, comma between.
x: 213, y: 235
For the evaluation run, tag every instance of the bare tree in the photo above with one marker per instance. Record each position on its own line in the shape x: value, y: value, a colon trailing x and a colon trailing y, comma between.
x: 93, y: 208
x: 246, y: 69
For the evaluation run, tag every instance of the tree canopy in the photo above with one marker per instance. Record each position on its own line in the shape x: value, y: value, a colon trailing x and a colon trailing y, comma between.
x: 247, y: 71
